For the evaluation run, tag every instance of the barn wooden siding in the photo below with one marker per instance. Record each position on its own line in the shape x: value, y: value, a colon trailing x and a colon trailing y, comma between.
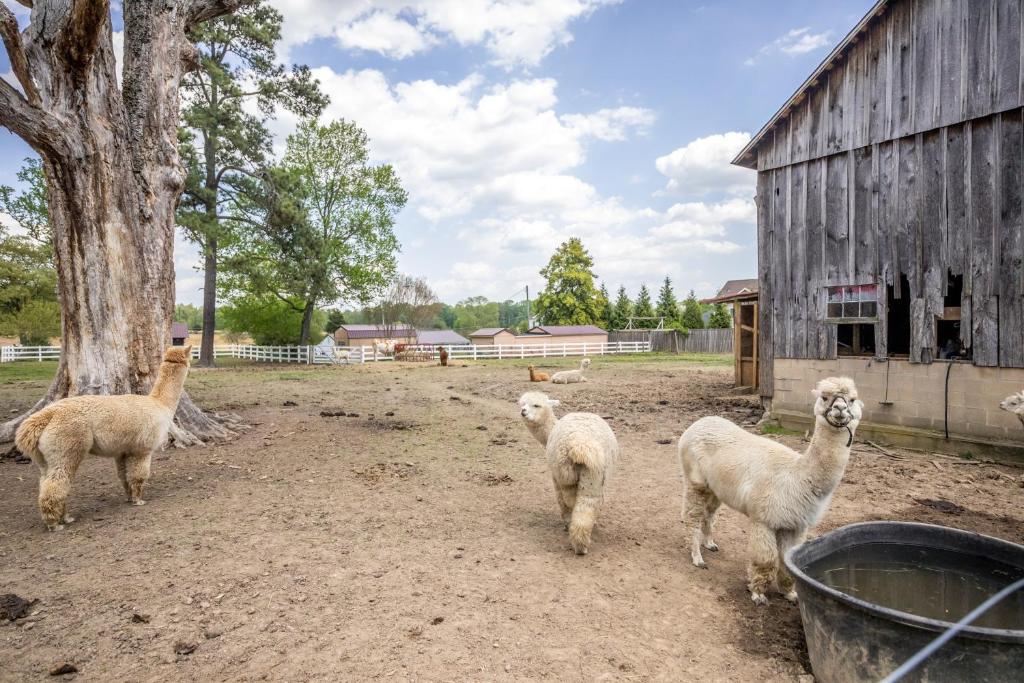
x: 906, y: 157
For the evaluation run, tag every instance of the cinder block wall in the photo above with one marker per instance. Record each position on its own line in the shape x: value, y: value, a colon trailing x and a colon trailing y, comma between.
x: 916, y: 391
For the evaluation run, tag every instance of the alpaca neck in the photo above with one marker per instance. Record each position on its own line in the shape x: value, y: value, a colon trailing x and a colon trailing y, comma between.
x: 170, y: 381
x: 542, y: 430
x: 826, y: 457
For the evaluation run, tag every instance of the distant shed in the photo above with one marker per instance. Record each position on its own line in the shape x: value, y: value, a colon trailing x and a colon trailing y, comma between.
x: 440, y: 338
x: 890, y: 212
x: 743, y: 295
x: 367, y: 335
x: 492, y: 336
x: 179, y: 334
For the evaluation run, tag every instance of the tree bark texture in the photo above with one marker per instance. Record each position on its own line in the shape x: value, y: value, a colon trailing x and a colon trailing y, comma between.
x: 114, y: 178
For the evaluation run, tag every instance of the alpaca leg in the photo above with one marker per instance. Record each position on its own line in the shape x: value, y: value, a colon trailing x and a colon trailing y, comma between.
x: 54, y: 489
x: 711, y: 505
x: 786, y: 539
x: 122, y: 474
x: 566, y: 501
x: 584, y: 516
x: 695, y: 504
x: 138, y: 474
x: 764, y: 556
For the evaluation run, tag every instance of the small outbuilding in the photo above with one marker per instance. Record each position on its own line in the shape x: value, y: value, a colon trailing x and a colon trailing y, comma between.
x: 564, y: 334
x: 743, y: 295
x: 179, y: 334
x: 493, y: 336
x: 368, y: 335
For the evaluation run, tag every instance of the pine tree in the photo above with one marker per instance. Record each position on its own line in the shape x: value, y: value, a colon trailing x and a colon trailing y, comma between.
x: 643, y: 307
x: 607, y: 312
x: 668, y: 307
x: 622, y: 310
x: 569, y: 297
x: 692, y: 318
x: 719, y: 317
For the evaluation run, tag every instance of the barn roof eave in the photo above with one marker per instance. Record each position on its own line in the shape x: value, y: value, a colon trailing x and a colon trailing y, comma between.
x: 748, y: 156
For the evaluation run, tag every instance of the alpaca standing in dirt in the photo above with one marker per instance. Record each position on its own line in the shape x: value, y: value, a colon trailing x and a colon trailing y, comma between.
x: 442, y: 353
x: 1014, y: 403
x: 571, y: 376
x: 582, y: 451
x: 538, y: 376
x: 782, y: 492
x: 127, y: 428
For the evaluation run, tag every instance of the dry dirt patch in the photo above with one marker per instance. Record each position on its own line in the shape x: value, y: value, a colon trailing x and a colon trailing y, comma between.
x: 424, y: 544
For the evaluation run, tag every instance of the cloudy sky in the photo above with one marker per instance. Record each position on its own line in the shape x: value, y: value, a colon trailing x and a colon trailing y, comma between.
x: 515, y: 124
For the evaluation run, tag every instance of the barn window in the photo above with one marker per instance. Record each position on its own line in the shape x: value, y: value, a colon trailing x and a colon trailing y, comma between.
x: 849, y: 303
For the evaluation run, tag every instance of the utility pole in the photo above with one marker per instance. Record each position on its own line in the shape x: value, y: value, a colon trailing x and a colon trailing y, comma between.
x: 529, y: 321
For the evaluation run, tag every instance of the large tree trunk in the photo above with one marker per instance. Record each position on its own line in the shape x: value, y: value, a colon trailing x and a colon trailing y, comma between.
x: 206, y: 358
x: 307, y: 321
x: 113, y: 180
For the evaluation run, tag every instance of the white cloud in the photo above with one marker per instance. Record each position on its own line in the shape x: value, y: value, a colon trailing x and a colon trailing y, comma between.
x: 611, y: 124
x: 514, y: 32
x: 798, y: 41
x: 703, y: 166
x: 118, y: 41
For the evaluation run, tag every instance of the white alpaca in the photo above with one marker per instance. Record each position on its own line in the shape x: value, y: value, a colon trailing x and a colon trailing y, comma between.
x: 385, y: 348
x: 1014, y: 403
x: 571, y: 376
x: 582, y: 451
x: 782, y: 492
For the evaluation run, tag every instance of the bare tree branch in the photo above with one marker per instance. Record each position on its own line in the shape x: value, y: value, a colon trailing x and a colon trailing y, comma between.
x: 204, y: 10
x: 31, y: 124
x: 16, y: 52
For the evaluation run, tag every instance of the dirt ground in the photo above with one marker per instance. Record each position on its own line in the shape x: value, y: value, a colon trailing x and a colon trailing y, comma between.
x: 418, y: 538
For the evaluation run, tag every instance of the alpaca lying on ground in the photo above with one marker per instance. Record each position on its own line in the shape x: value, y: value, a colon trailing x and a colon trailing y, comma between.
x: 442, y: 353
x: 582, y: 451
x: 571, y: 376
x: 1014, y: 404
x: 538, y: 376
x: 782, y: 492
x: 127, y: 428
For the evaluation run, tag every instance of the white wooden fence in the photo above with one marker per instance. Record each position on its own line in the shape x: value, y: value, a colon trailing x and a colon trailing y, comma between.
x: 364, y: 354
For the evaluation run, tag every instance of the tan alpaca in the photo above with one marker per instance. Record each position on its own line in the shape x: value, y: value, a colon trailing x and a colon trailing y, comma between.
x: 1014, y: 403
x: 127, y: 428
x: 538, y: 376
x: 782, y: 492
x: 582, y: 451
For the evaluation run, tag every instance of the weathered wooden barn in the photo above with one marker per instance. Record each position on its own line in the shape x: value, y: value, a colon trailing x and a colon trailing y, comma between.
x: 889, y: 211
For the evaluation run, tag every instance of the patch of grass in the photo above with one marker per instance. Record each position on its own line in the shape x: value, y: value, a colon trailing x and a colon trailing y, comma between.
x: 779, y: 430
x: 707, y: 359
x: 28, y: 371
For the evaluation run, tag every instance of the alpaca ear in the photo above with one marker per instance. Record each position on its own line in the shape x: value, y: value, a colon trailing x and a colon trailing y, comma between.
x: 815, y: 393
x: 188, y: 349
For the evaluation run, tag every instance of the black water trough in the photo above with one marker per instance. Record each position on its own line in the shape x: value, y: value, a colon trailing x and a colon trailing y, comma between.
x: 873, y: 594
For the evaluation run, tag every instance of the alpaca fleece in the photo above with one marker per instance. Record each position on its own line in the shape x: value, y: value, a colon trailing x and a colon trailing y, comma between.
x: 127, y: 428
x: 783, y: 492
x: 571, y: 376
x: 581, y: 450
x: 538, y: 376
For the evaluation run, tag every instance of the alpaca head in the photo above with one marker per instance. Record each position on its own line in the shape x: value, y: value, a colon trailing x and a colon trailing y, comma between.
x: 535, y: 406
x: 180, y: 355
x: 837, y: 404
x: 1013, y: 403
x: 584, y: 364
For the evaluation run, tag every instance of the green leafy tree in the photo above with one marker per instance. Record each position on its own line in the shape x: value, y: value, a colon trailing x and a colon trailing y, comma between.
x: 191, y: 315
x: 335, y: 319
x: 475, y: 312
x: 223, y: 141
x: 643, y: 308
x: 692, y: 318
x: 569, y: 297
x: 512, y: 314
x: 719, y: 317
x: 606, y: 308
x: 28, y: 279
x: 268, y: 320
x: 448, y: 316
x: 622, y: 310
x: 668, y: 307
x: 322, y: 223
